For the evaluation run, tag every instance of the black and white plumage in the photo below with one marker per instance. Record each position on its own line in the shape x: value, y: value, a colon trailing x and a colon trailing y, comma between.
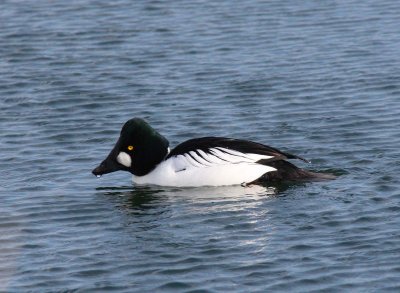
x: 206, y: 161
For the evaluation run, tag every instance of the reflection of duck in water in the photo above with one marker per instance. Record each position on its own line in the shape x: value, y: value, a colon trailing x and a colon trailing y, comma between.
x: 206, y: 161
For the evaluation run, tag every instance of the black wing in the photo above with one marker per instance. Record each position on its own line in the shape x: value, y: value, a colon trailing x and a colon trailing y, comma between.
x: 244, y: 146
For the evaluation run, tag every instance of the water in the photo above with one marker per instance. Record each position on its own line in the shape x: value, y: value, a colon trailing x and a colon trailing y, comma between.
x: 319, y: 79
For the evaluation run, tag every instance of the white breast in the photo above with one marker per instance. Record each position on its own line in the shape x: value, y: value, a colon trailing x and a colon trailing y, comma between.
x: 218, y: 167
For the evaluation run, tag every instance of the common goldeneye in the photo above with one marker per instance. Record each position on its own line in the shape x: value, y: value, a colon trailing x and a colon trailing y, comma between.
x: 205, y: 161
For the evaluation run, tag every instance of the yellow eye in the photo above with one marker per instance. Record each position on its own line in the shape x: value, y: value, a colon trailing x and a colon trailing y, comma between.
x: 130, y: 148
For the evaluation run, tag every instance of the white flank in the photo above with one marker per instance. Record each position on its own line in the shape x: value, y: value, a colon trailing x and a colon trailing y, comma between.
x: 219, y: 167
x: 124, y: 159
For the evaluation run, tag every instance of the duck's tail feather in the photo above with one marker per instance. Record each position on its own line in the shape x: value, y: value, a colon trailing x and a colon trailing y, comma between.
x: 286, y: 171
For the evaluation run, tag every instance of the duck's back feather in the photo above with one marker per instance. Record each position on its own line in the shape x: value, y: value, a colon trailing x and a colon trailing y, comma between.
x: 286, y: 171
x: 206, y: 144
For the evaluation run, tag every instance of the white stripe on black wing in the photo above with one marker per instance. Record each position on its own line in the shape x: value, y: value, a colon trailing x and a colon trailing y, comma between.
x: 218, y: 149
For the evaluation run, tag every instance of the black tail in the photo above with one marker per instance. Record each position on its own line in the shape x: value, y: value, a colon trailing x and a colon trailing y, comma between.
x: 286, y: 171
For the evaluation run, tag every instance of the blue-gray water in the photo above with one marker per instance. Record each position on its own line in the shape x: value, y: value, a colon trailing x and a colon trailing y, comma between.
x: 320, y: 79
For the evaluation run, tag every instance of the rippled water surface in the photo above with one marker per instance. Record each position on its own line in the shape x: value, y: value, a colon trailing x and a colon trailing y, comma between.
x: 319, y: 79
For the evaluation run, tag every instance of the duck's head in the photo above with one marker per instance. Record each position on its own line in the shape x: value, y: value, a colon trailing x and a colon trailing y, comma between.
x: 138, y: 150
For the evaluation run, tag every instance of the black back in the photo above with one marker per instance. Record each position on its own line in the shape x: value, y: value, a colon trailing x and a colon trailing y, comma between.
x: 244, y: 146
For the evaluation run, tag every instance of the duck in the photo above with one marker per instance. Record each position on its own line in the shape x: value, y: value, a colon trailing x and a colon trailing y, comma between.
x: 204, y: 161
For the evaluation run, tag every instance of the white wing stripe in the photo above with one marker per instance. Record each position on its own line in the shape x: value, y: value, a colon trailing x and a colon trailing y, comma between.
x: 211, y: 158
x: 222, y: 156
x: 228, y: 157
x: 252, y: 156
x: 256, y: 157
x: 217, y: 156
x: 232, y: 152
x: 199, y: 159
x: 192, y: 161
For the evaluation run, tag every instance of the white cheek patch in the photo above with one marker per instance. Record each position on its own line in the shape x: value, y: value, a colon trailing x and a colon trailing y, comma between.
x: 124, y: 159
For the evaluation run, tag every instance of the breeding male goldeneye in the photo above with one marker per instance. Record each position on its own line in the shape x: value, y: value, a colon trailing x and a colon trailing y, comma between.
x: 205, y: 161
